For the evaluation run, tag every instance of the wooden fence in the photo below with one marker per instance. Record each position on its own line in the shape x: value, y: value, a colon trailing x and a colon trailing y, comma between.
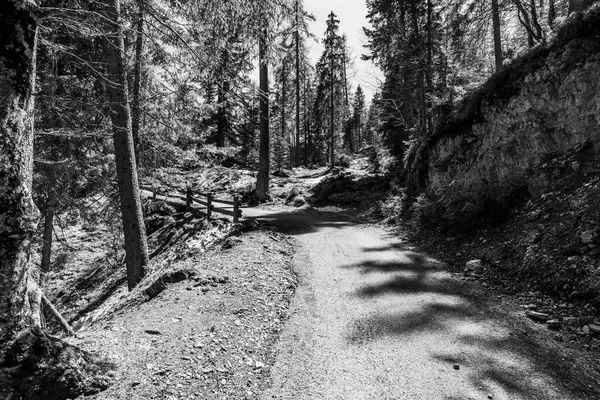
x: 226, y: 207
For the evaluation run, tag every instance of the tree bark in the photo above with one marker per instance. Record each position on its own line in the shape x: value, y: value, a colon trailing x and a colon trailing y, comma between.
x: 221, y: 99
x: 136, y: 111
x: 262, y: 180
x: 136, y: 247
x: 331, y: 114
x: 292, y: 151
x: 551, y: 13
x: 306, y: 123
x: 221, y: 118
x: 48, y: 230
x: 297, y: 152
x: 497, y: 38
x: 19, y: 301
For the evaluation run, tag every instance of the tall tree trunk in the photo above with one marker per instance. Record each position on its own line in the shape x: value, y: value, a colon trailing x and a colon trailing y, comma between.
x: 428, y: 72
x: 262, y: 180
x: 551, y: 13
x: 331, y: 114
x: 283, y: 79
x: 136, y: 247
x: 136, y: 103
x: 497, y: 39
x: 19, y: 299
x: 359, y: 135
x: 306, y: 123
x: 297, y: 153
x: 48, y: 229
x: 539, y: 32
x: 221, y: 119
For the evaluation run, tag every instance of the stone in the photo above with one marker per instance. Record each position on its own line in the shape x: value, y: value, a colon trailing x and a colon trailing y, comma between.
x: 558, y: 338
x: 570, y: 321
x: 594, y: 329
x: 587, y: 237
x: 474, y: 265
x: 582, y: 321
x: 554, y: 324
x: 534, y: 215
x: 537, y: 316
x: 586, y: 330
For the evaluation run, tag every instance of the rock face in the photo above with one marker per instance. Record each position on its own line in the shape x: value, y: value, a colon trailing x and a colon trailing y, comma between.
x: 555, y: 111
x: 555, y: 108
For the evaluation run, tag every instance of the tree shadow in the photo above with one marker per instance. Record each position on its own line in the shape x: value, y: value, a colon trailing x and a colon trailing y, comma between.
x: 302, y: 221
x: 346, y: 190
x: 422, y: 300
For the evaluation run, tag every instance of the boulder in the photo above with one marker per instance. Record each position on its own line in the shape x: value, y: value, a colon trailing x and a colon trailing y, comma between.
x: 474, y: 266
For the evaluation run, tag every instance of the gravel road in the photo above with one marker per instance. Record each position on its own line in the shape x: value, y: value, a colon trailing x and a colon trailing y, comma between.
x: 373, y: 319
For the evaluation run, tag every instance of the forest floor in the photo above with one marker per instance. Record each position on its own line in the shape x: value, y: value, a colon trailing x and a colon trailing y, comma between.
x: 220, y: 330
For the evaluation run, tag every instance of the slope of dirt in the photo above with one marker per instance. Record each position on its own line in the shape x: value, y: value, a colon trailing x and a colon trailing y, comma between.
x: 209, y: 336
x: 544, y: 248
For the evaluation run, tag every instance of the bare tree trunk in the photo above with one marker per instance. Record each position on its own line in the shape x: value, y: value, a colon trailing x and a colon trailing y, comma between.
x: 283, y: 79
x: 359, y: 135
x: 221, y: 119
x: 297, y: 153
x: 551, y: 13
x: 19, y: 299
x: 306, y: 123
x: 136, y: 247
x: 497, y: 39
x: 535, y: 21
x: 48, y: 230
x: 331, y: 114
x: 262, y: 180
x: 136, y: 111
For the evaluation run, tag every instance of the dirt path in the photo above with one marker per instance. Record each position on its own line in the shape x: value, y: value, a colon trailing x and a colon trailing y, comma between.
x: 372, y: 319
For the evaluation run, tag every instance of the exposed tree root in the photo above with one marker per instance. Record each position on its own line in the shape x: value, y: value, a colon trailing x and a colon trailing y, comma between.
x: 37, y: 366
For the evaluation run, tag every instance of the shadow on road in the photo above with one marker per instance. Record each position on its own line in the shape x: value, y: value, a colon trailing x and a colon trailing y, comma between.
x: 423, y: 302
x: 299, y: 222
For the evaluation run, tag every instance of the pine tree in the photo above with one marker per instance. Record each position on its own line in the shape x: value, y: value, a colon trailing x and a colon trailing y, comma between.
x: 19, y: 300
x: 330, y: 78
x: 358, y: 110
x: 136, y: 247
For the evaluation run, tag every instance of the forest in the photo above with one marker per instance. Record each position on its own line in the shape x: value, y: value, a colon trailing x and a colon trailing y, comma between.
x: 123, y: 121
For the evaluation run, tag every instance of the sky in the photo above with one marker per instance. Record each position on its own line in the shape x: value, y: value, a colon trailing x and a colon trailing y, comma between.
x: 352, y: 16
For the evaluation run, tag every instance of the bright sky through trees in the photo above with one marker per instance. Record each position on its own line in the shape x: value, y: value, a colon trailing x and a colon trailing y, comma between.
x: 351, y: 14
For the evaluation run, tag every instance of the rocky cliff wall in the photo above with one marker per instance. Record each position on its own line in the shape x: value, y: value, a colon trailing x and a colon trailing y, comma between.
x: 553, y: 106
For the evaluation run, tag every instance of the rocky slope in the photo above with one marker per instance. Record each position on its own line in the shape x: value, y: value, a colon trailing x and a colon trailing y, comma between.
x: 516, y: 167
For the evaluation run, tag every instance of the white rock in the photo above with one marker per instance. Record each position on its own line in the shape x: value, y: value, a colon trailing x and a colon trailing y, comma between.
x: 587, y: 237
x: 474, y: 265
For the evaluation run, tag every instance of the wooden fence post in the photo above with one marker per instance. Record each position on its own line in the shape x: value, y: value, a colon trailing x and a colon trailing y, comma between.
x: 188, y: 198
x: 209, y: 198
x: 236, y: 209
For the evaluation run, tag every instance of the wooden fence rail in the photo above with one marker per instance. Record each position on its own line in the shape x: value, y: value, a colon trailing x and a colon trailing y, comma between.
x: 230, y: 208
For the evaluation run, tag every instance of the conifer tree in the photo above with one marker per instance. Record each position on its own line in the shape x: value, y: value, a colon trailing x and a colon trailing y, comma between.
x: 358, y: 110
x: 19, y: 300
x: 136, y: 247
x: 330, y: 77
